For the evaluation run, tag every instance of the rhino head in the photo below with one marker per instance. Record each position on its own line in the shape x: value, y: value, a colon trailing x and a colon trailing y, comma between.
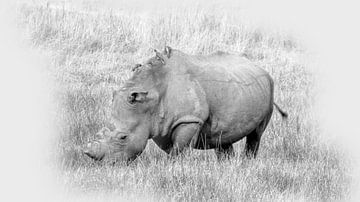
x: 134, y: 111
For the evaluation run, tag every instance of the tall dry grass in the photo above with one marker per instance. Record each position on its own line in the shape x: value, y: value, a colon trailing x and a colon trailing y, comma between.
x: 92, y: 52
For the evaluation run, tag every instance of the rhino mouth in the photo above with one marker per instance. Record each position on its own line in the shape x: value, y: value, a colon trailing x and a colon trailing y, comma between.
x: 94, y: 157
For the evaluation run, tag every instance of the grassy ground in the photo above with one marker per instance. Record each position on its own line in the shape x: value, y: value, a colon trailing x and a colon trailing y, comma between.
x: 92, y: 52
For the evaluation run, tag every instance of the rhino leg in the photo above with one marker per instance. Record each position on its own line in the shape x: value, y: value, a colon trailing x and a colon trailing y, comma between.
x: 224, y: 152
x: 183, y: 135
x: 252, y: 144
x: 253, y: 139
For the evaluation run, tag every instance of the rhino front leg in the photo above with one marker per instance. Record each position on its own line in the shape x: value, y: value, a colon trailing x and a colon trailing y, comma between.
x: 184, y: 135
x: 224, y: 152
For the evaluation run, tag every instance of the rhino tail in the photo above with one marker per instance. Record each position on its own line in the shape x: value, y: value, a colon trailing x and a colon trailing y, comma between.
x: 283, y: 114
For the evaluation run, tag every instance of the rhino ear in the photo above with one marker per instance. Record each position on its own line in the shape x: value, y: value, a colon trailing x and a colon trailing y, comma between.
x: 168, y: 51
x: 137, y: 96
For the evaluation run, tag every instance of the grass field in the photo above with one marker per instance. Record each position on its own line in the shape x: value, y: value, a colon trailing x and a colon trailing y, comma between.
x: 92, y: 52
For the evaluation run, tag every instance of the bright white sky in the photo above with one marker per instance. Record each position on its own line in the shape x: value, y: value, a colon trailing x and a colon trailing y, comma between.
x: 330, y: 29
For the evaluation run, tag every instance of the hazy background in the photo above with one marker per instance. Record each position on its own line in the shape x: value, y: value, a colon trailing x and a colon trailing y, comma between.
x: 329, y: 30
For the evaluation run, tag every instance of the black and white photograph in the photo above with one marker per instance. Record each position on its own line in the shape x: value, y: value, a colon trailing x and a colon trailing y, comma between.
x: 180, y: 100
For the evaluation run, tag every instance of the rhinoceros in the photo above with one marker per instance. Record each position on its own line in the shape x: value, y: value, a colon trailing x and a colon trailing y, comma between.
x: 180, y: 101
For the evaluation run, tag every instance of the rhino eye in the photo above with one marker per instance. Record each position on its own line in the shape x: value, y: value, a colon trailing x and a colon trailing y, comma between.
x: 120, y: 138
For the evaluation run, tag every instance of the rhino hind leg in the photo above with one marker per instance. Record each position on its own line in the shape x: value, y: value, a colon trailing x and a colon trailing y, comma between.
x: 253, y: 139
x: 252, y: 144
x: 224, y: 152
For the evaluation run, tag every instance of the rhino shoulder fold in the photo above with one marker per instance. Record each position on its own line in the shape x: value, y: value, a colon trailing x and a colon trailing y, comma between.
x: 187, y: 119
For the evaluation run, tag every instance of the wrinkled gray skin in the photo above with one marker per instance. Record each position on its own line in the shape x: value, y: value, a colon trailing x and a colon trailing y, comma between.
x: 180, y: 101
